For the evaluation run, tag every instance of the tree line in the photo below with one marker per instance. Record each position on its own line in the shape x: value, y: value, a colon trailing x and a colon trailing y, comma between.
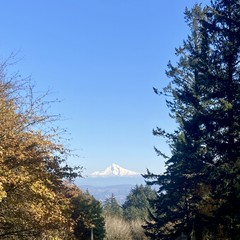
x: 126, y: 221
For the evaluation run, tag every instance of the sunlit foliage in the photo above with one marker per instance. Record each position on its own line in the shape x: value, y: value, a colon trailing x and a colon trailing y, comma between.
x: 32, y: 201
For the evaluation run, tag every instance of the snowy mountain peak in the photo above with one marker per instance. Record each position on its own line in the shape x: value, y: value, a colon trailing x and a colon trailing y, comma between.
x: 114, y: 170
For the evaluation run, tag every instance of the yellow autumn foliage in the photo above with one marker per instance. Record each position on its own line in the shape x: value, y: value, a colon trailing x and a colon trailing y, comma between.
x: 3, y: 193
x: 32, y: 199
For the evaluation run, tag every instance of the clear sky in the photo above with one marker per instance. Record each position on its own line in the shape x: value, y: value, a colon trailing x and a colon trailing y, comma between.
x: 101, y: 58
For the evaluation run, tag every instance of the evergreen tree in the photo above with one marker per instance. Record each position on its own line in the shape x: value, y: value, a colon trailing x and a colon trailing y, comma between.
x: 137, y: 204
x: 199, y: 192
x: 111, y: 207
x: 88, y: 216
x: 223, y: 26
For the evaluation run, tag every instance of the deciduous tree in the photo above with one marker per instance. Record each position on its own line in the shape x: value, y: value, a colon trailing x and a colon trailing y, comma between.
x: 32, y: 201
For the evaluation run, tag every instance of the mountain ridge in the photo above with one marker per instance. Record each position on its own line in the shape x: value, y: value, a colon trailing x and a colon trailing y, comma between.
x: 120, y: 191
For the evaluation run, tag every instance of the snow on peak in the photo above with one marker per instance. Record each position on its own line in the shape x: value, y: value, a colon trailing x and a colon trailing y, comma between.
x: 114, y: 170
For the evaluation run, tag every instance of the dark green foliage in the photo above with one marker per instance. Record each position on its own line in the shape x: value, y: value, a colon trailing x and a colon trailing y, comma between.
x: 137, y: 205
x: 112, y: 208
x: 199, y: 195
x: 87, y: 214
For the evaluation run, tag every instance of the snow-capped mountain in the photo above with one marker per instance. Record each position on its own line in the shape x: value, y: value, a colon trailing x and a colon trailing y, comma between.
x: 115, y: 170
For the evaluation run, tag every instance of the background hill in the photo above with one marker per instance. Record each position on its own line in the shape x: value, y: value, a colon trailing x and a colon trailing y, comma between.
x: 101, y: 193
x: 112, y: 180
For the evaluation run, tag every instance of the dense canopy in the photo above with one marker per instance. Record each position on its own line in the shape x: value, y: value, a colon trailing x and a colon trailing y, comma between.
x: 32, y: 194
x: 198, y: 195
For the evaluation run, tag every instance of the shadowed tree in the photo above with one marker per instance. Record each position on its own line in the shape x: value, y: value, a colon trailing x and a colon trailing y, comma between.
x: 199, y: 192
x: 111, y: 207
x: 88, y: 216
x: 137, y: 205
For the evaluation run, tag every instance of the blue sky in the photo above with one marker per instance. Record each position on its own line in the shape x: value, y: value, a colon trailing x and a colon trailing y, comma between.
x: 101, y: 58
